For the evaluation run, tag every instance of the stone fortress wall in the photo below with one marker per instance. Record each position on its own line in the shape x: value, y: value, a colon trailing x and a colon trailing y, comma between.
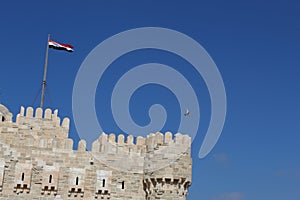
x: 38, y: 161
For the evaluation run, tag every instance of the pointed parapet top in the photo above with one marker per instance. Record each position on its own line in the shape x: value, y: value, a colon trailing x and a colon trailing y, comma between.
x: 82, y: 146
x: 178, y: 138
x: 29, y: 112
x: 103, y: 141
x: 151, y: 137
x: 168, y: 137
x: 112, y: 138
x: 57, y: 121
x: 129, y: 139
x: 48, y: 113
x: 22, y: 111
x: 150, y: 141
x: 55, y: 113
x: 159, y: 138
x: 187, y: 140
x: 39, y: 113
x: 140, y: 140
x: 103, y: 138
x: 66, y: 123
x: 121, y: 139
x: 153, y: 141
x: 96, y: 146
x: 18, y: 118
x: 182, y: 139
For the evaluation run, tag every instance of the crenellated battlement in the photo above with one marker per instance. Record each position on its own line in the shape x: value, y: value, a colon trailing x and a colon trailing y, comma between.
x: 40, y: 117
x: 32, y: 122
x: 139, y: 146
x: 39, y: 161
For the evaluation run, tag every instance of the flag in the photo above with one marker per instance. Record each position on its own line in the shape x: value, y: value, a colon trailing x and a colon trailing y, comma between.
x: 56, y: 45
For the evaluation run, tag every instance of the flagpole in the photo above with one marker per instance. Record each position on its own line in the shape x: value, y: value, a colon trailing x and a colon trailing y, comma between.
x: 45, y: 74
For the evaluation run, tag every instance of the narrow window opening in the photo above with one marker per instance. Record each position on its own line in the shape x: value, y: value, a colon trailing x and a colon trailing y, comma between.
x: 77, y: 180
x: 103, y: 183
x: 123, y: 185
x: 2, y: 119
x: 50, y: 178
x: 23, y: 176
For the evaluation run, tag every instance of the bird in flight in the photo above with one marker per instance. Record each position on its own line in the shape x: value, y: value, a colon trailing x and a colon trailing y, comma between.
x: 187, y: 113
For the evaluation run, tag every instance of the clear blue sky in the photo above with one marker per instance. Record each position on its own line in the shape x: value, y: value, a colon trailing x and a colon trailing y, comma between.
x: 255, y: 44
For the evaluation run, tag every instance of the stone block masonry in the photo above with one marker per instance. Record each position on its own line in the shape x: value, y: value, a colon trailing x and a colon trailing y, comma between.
x: 38, y: 162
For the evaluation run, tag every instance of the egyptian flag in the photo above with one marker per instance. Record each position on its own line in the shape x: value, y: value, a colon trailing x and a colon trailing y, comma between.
x: 56, y: 45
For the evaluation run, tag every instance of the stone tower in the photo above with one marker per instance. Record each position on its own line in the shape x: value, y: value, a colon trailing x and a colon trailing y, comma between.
x: 38, y: 161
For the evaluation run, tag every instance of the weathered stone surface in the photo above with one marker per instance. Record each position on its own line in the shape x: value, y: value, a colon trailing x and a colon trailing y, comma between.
x: 38, y: 162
